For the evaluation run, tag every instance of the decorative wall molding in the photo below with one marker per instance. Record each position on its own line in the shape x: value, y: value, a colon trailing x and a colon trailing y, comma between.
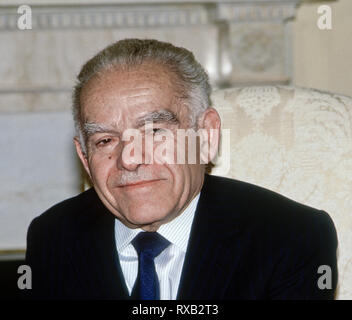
x: 139, y: 2
x: 238, y: 42
x: 255, y: 12
x: 32, y: 100
x: 127, y: 14
x: 84, y: 17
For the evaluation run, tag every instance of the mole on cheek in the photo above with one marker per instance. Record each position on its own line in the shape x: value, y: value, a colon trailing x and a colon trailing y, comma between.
x: 109, y: 157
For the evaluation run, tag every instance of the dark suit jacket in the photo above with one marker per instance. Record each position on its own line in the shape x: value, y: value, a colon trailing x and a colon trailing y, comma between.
x: 246, y: 243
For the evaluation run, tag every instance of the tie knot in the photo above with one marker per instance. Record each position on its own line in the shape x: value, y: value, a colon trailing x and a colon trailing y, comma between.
x: 149, y: 243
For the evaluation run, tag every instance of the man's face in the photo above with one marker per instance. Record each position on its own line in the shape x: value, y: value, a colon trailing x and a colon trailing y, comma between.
x: 141, y: 194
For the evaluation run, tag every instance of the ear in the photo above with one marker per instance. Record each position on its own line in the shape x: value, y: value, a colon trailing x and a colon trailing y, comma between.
x: 210, y: 124
x: 82, y: 156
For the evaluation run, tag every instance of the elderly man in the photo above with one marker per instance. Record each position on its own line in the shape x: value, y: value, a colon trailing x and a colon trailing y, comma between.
x: 154, y: 227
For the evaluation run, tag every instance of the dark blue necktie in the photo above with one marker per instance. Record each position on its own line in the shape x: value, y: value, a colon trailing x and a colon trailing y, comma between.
x: 148, y: 246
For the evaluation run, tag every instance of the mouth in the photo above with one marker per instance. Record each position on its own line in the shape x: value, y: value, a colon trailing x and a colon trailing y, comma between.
x: 139, y: 184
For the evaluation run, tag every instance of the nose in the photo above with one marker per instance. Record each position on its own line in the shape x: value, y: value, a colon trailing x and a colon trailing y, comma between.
x: 130, y: 156
x: 139, y: 150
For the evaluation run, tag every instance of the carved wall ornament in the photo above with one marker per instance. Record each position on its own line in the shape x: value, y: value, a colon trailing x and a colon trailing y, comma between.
x: 257, y: 50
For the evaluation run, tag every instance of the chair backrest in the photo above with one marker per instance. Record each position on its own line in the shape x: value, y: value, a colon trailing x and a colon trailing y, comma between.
x: 297, y: 142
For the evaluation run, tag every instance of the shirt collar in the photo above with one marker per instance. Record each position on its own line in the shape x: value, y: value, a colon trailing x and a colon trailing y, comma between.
x: 177, y: 231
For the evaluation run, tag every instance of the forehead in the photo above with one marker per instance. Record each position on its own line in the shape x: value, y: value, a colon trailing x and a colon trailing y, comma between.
x: 122, y: 95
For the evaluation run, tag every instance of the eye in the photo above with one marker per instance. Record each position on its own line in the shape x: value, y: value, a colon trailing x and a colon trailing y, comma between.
x: 157, y: 130
x: 103, y: 142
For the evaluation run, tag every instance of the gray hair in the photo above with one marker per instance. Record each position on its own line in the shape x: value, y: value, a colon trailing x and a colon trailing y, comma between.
x: 191, y: 79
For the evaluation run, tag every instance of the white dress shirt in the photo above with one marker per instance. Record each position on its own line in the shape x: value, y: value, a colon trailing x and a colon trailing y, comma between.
x: 169, y: 263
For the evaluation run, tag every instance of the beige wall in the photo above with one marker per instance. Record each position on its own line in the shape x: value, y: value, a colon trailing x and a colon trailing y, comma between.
x: 323, y: 58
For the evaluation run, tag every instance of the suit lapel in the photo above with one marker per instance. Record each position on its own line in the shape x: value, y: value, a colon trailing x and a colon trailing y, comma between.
x: 212, y: 256
x: 94, y: 256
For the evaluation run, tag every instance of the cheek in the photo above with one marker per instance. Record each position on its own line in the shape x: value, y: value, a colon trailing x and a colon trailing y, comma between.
x: 179, y: 177
x: 100, y: 168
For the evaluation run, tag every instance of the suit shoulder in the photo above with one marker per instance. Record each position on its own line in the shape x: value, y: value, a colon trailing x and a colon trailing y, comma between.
x: 66, y: 209
x: 261, y: 206
x: 271, y: 220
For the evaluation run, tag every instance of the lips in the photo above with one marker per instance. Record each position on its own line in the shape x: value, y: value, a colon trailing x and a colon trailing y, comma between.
x: 139, y: 183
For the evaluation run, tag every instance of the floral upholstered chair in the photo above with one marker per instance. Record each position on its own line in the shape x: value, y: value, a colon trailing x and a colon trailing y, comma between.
x: 297, y: 142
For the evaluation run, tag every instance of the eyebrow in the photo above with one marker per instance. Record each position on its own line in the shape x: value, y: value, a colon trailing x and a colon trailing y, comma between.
x: 90, y: 128
x: 158, y: 116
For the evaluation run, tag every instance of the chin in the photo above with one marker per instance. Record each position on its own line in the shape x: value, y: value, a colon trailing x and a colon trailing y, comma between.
x: 142, y: 217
